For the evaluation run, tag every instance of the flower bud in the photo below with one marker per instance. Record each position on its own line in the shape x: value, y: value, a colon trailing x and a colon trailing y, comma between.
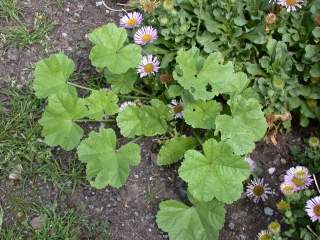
x: 270, y: 18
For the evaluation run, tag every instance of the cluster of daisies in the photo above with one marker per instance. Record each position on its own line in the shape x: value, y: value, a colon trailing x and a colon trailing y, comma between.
x: 149, y: 65
x: 290, y: 5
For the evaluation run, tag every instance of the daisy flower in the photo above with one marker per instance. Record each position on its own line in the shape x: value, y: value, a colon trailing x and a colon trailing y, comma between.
x: 149, y: 65
x: 287, y: 188
x: 313, y: 209
x: 274, y: 227
x: 264, y: 235
x: 126, y: 104
x: 131, y: 20
x: 299, y: 176
x: 177, y: 108
x: 291, y: 5
x: 145, y: 35
x: 252, y: 164
x: 257, y: 190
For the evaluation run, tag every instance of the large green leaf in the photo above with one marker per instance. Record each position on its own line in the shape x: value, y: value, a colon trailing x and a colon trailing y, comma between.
x: 110, y: 50
x: 216, y: 174
x: 202, y: 114
x: 107, y: 165
x: 58, y: 120
x: 246, y: 125
x: 200, y: 222
x: 174, y: 149
x: 148, y: 120
x: 101, y: 103
x: 122, y: 83
x: 207, y: 78
x: 51, y: 75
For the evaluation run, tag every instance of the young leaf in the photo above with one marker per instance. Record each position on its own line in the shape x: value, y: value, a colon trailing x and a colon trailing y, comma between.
x: 209, y: 79
x: 57, y: 120
x: 51, y: 75
x: 101, y: 103
x: 212, y: 174
x: 122, y: 83
x: 246, y: 125
x: 107, y: 165
x: 200, y: 222
x: 202, y: 114
x: 144, y: 121
x: 174, y: 149
x: 110, y: 50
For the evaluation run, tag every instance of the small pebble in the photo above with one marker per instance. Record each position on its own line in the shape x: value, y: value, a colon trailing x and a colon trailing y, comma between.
x: 271, y: 170
x: 231, y: 226
x: 283, y: 161
x: 268, y: 211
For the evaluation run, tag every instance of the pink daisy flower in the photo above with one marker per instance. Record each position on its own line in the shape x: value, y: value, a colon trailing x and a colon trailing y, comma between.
x: 177, y: 108
x: 258, y: 190
x: 298, y: 176
x: 287, y: 188
x: 313, y: 209
x: 145, y: 35
x: 131, y: 20
x: 291, y: 5
x: 149, y: 65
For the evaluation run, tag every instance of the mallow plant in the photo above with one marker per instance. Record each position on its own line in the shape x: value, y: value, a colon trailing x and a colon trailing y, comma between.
x: 204, y: 110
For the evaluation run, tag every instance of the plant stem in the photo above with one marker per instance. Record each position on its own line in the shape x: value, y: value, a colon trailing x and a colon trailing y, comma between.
x: 135, y: 139
x: 134, y: 97
x: 316, y: 182
x: 79, y: 86
x: 142, y: 92
x: 197, y: 137
x: 310, y: 229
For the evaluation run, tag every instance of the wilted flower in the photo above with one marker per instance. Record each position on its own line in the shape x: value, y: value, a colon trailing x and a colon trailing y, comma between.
x: 317, y: 19
x: 299, y: 176
x: 131, y: 20
x: 166, y: 78
x: 283, y: 206
x: 145, y: 35
x: 126, y: 104
x: 149, y: 5
x: 149, y: 65
x: 257, y: 190
x: 264, y: 235
x: 313, y: 209
x: 177, y: 108
x: 314, y: 142
x: 287, y: 188
x: 291, y: 5
x: 274, y: 227
x: 270, y: 18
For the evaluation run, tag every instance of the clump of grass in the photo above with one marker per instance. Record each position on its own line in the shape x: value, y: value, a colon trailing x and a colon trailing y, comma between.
x: 10, y: 10
x: 21, y: 35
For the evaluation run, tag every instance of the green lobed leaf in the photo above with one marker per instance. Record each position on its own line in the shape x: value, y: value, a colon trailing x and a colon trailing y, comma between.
x: 101, y: 103
x: 122, y: 83
x: 51, y: 75
x: 200, y: 222
x: 174, y: 149
x: 110, y: 50
x: 202, y: 114
x: 145, y: 120
x: 107, y: 165
x: 58, y: 120
x: 246, y: 125
x: 208, y: 79
x: 211, y: 174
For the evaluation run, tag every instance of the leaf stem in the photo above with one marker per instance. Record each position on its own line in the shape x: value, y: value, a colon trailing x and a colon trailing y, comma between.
x: 316, y: 182
x: 135, y: 139
x: 79, y: 86
x: 142, y: 92
x: 197, y: 137
x: 133, y: 97
x: 91, y: 120
x: 310, y: 229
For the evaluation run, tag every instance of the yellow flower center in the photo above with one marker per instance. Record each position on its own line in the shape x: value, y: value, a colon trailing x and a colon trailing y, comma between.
x: 258, y: 190
x: 147, y: 38
x: 132, y: 22
x: 265, y: 237
x: 291, y: 2
x: 178, y: 109
x: 300, y: 174
x: 148, y: 68
x: 298, y: 181
x: 314, y: 142
x: 316, y: 210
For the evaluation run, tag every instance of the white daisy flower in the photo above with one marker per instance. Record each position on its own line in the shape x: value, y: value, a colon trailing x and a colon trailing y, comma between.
x: 258, y: 190
x: 149, y: 65
x: 131, y: 20
x: 291, y: 5
x: 313, y: 209
x: 177, y: 108
x: 264, y: 235
x: 299, y: 176
x: 145, y: 35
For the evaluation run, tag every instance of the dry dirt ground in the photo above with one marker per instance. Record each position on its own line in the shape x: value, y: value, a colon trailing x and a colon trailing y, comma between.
x: 130, y: 210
